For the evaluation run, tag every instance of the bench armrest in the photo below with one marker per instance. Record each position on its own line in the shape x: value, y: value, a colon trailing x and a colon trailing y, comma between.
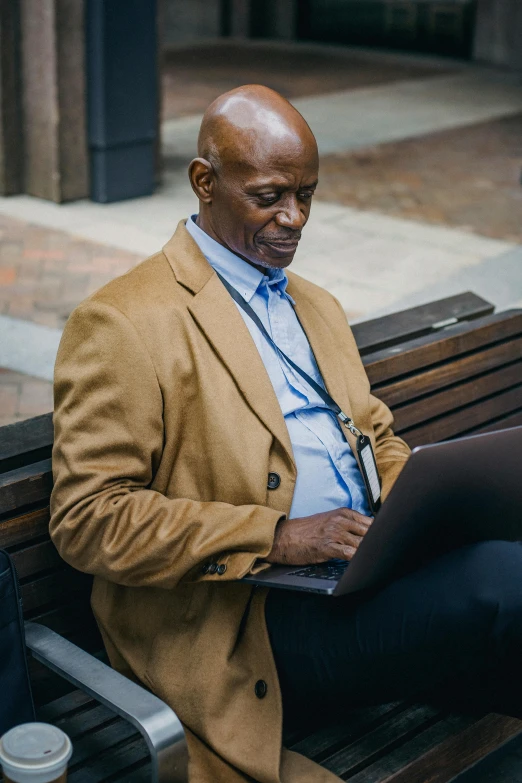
x: 159, y: 725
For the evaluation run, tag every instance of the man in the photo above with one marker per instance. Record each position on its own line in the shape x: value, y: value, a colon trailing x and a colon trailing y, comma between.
x: 188, y: 453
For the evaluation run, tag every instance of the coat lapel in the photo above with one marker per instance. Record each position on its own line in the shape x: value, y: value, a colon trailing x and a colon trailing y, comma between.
x: 324, y: 346
x: 218, y: 316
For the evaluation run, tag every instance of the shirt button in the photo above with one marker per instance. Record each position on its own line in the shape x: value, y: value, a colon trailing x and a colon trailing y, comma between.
x: 212, y: 568
x: 221, y: 569
x: 274, y: 480
x: 260, y: 689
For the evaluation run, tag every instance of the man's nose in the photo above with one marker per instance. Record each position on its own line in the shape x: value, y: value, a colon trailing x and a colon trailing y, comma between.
x: 292, y: 215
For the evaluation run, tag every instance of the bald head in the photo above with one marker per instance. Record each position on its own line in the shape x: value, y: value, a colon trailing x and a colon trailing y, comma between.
x: 255, y: 174
x: 251, y: 123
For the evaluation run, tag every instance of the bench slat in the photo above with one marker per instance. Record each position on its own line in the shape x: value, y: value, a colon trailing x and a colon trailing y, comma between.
x: 103, y: 761
x: 449, y: 373
x: 513, y: 420
x: 51, y: 587
x: 501, y: 765
x: 64, y: 705
x: 25, y: 527
x: 90, y: 725
x: 359, y: 754
x: 101, y: 741
x: 26, y: 441
x: 459, y: 396
x: 465, y: 419
x: 95, y: 716
x: 71, y: 618
x: 400, y: 757
x: 36, y: 558
x: 434, y: 349
x: 140, y: 775
x: 46, y: 685
x: 379, y: 333
x: 24, y: 486
x: 322, y: 742
x: 459, y: 752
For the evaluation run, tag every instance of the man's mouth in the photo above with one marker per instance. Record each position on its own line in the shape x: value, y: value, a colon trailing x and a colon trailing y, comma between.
x: 285, y: 244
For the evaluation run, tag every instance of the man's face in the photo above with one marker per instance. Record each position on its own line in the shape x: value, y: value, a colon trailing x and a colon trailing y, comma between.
x: 260, y: 204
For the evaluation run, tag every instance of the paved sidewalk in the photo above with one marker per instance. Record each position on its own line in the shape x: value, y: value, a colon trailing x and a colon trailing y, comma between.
x: 194, y: 75
x: 497, y: 279
x: 469, y: 178
x: 351, y: 119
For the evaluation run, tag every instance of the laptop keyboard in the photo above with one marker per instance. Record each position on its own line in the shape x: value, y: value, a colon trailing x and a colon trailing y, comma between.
x: 332, y: 570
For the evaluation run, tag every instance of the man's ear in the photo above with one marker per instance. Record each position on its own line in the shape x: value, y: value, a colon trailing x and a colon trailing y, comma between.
x: 201, y: 175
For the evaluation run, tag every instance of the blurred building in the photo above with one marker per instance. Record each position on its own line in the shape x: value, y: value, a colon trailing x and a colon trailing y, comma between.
x: 79, y: 81
x: 489, y: 30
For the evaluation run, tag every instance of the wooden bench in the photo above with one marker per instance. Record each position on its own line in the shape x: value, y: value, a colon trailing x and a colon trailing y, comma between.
x: 440, y: 383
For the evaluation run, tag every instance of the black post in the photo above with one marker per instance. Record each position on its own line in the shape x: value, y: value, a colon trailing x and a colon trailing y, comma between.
x: 122, y: 90
x: 11, y: 136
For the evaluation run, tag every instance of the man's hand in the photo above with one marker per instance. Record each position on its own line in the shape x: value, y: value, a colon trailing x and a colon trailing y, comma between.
x: 321, y: 537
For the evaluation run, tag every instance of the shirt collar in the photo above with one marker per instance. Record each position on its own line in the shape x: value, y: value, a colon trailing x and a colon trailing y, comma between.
x: 245, y: 278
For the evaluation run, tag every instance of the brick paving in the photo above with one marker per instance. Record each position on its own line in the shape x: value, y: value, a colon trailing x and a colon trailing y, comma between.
x: 194, y: 76
x: 45, y: 273
x: 468, y: 178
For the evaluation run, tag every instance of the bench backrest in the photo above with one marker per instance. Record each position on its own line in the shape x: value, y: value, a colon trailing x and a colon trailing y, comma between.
x: 465, y: 380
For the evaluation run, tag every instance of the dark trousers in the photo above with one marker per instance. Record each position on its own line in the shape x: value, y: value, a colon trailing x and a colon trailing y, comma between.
x: 456, y: 620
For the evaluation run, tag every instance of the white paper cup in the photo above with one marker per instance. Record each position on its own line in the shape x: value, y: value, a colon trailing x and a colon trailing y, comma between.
x: 35, y: 753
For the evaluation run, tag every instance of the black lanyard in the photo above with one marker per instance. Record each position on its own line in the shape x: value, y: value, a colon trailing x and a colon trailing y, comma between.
x: 364, y: 448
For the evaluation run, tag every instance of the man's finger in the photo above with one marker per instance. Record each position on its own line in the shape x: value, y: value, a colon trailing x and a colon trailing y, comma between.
x: 351, y: 525
x: 367, y: 521
x: 356, y: 527
x: 349, y: 539
x: 349, y: 513
x: 346, y: 553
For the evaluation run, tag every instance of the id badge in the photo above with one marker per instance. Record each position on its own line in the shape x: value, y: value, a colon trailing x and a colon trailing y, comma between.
x: 369, y: 471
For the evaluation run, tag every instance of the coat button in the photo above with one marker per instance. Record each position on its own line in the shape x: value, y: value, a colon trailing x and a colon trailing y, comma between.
x: 260, y: 689
x: 204, y: 569
x: 274, y: 480
x: 221, y: 569
x: 212, y: 568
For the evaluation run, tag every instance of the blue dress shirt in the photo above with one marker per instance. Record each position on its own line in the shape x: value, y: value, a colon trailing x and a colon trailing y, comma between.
x: 328, y: 476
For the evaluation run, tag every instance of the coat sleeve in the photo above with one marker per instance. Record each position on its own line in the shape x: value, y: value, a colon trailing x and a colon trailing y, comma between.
x: 105, y: 519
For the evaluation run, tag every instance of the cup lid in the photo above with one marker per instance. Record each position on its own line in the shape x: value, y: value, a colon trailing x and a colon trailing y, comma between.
x: 37, y: 746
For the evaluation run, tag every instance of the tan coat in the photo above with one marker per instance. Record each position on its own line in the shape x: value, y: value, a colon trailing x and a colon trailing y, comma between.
x: 166, y: 427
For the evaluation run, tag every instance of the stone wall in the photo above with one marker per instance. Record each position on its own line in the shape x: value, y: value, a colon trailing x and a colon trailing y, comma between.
x: 43, y: 145
x: 191, y: 21
x: 187, y: 21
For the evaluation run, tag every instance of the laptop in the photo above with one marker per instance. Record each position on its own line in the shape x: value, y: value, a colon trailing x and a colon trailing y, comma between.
x: 448, y: 495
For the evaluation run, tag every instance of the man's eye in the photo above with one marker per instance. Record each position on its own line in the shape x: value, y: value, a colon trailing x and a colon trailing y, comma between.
x: 268, y: 198
x: 305, y: 195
